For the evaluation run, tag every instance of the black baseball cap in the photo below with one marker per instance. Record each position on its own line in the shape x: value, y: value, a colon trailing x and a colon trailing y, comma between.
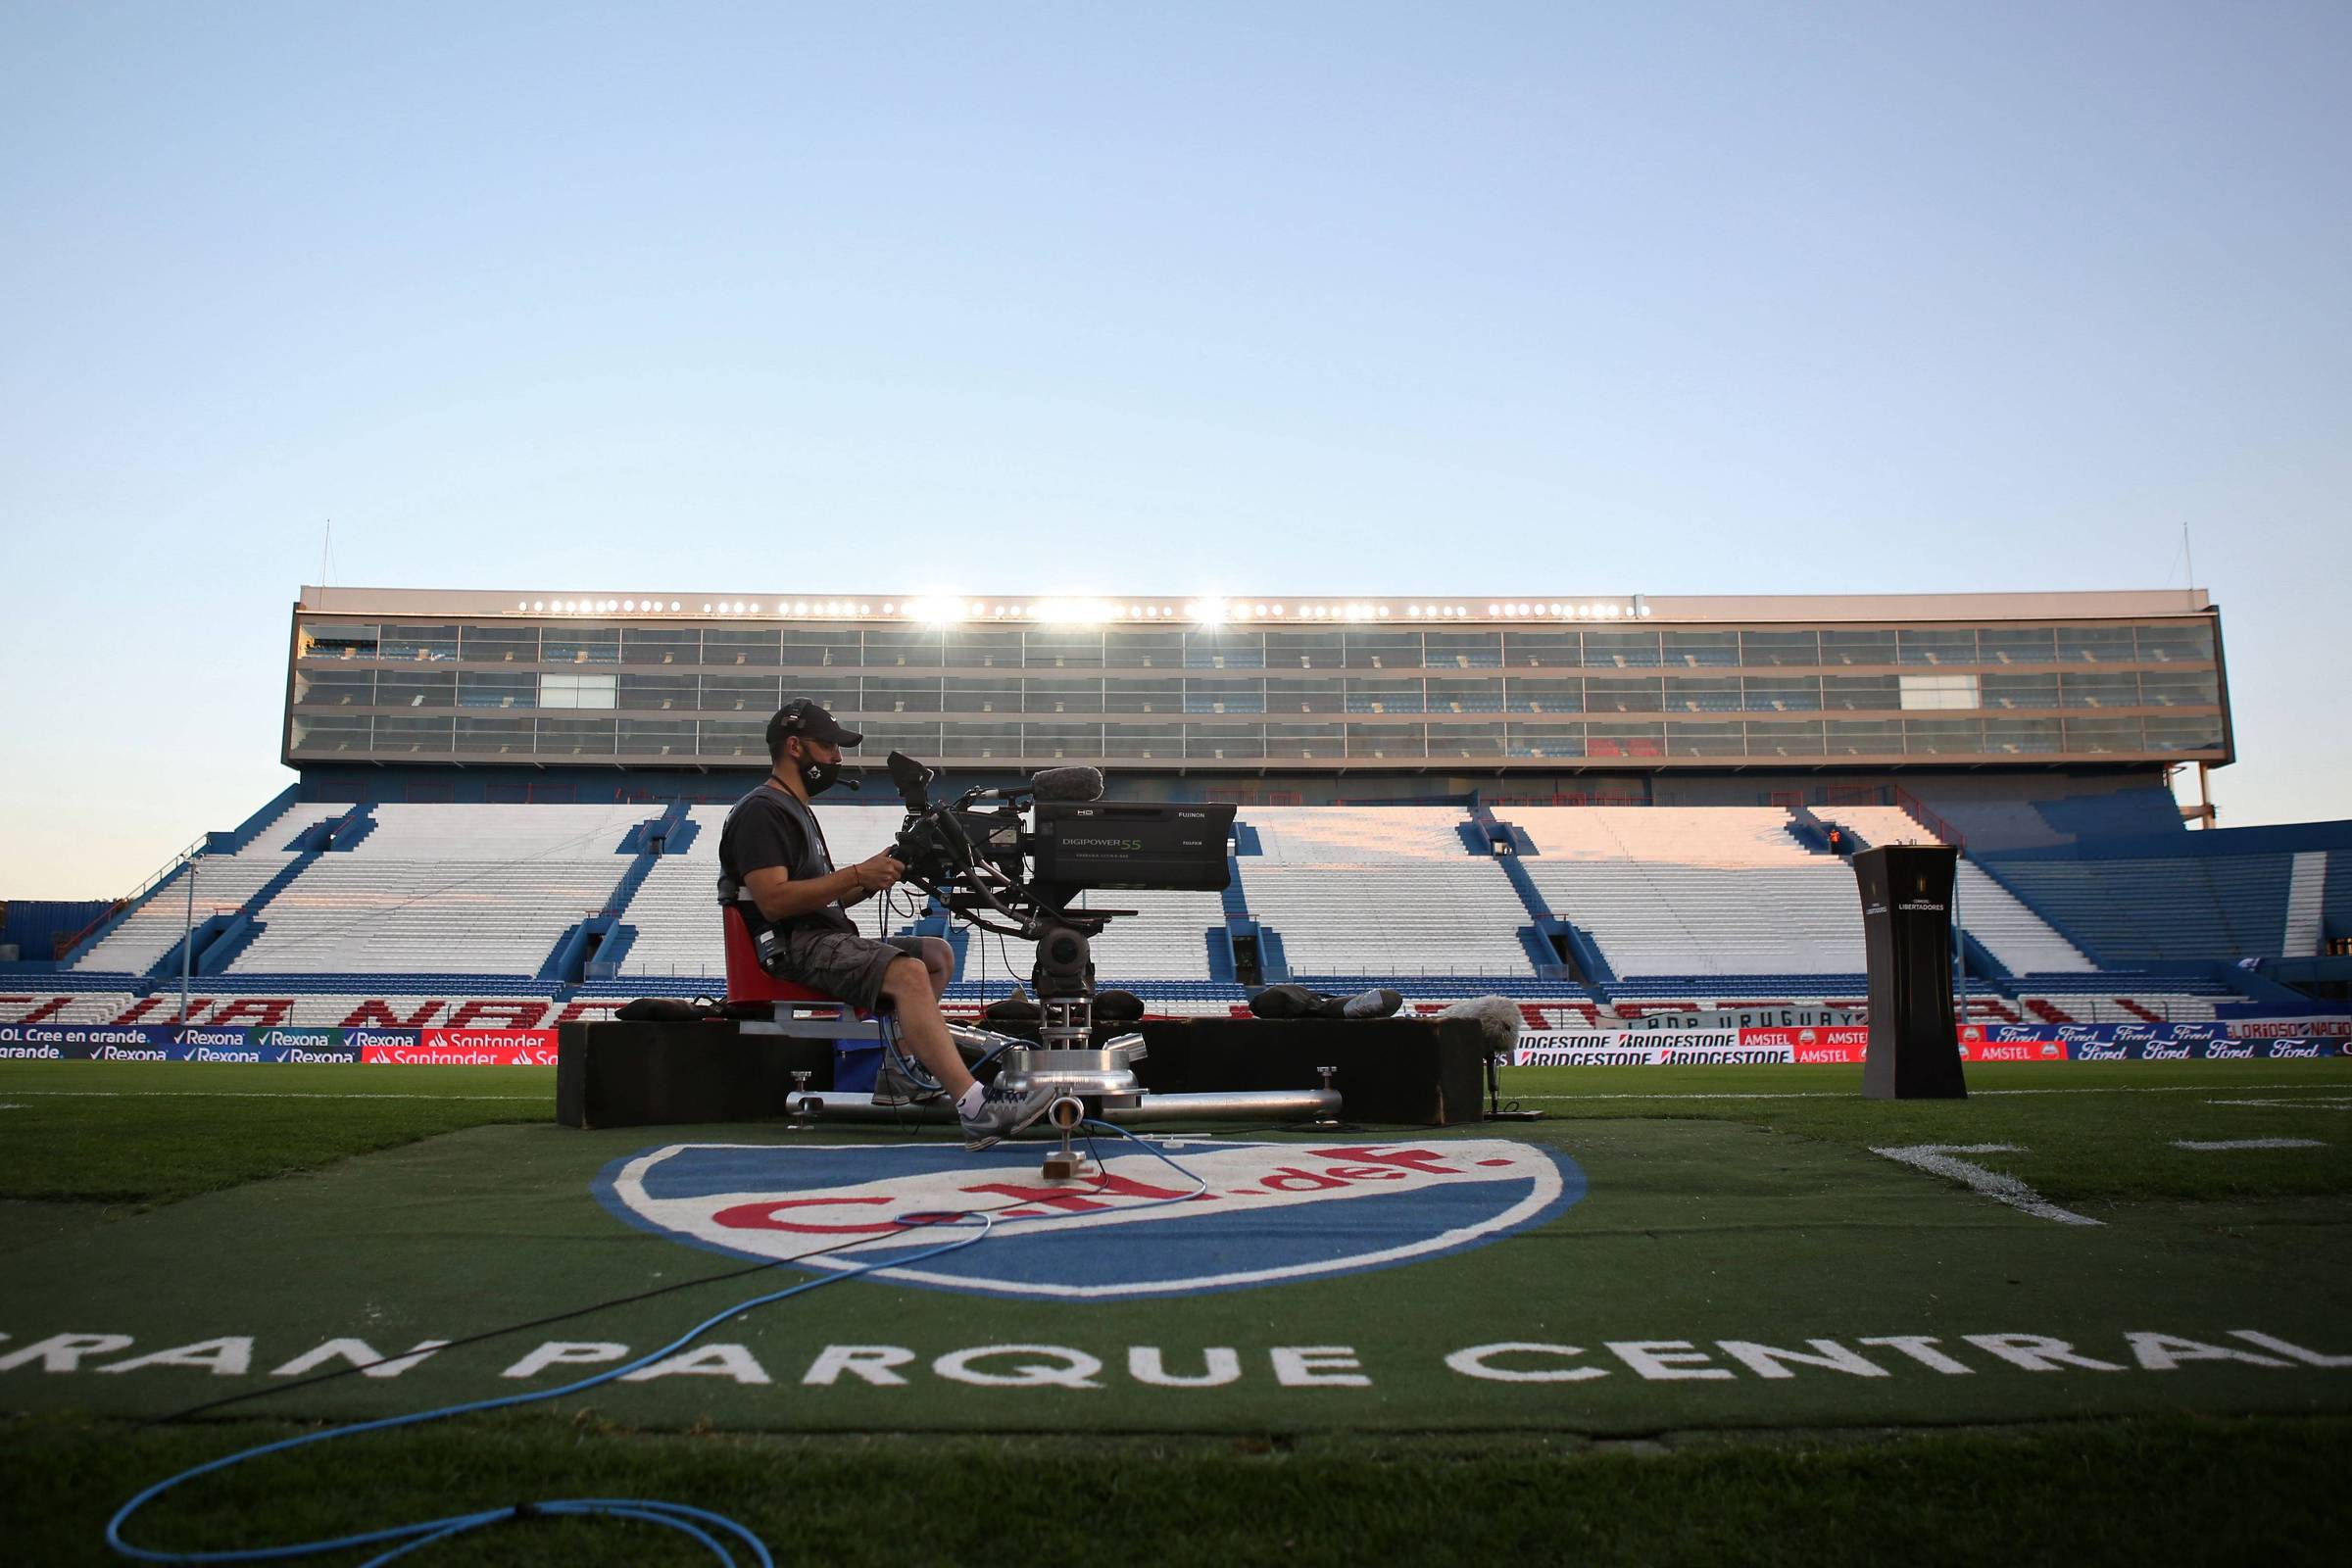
x: 800, y: 716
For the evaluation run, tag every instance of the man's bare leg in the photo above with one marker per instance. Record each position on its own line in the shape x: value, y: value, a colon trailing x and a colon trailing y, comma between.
x: 922, y: 1027
x: 940, y: 959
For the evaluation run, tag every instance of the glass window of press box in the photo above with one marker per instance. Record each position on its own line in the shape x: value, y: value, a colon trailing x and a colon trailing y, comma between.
x: 1144, y: 649
x: 1801, y: 738
x: 482, y: 736
x: 742, y: 694
x: 1760, y: 649
x: 1544, y: 694
x: 657, y: 737
x: 973, y: 648
x: 1384, y: 649
x: 331, y: 732
x: 822, y: 647
x: 334, y: 688
x: 1621, y: 649
x: 1064, y: 739
x: 1305, y: 742
x: 836, y: 692
x: 661, y: 645
x: 659, y: 692
x: 578, y: 737
x: 1124, y: 695
x: 2190, y: 644
x: 578, y: 690
x: 498, y: 645
x: 1467, y: 696
x: 1242, y: 693
x: 1692, y: 648
x: 424, y: 643
x: 1543, y: 650
x: 735, y: 738
x: 1062, y: 694
x: 1702, y: 694
x: 1383, y: 695
x: 1777, y: 694
x: 911, y: 694
x: 325, y: 641
x: 413, y: 735
x: 883, y: 736
x: 739, y: 646
x: 1045, y: 648
x: 1223, y: 648
x: 1543, y: 740
x: 1636, y: 694
x: 580, y: 645
x: 1224, y: 743
x: 407, y: 688
x: 1480, y: 738
x: 1306, y: 650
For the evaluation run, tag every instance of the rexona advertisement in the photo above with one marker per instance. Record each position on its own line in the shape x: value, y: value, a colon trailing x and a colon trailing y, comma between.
x: 502, y: 1048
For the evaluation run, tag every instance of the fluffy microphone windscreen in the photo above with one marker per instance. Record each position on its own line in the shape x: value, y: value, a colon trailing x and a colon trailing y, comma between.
x: 1498, y: 1021
x: 1067, y: 784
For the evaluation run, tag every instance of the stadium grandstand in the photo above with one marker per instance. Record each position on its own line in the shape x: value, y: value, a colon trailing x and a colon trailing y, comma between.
x: 505, y: 807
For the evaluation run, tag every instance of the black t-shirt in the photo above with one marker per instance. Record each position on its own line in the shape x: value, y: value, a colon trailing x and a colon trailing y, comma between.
x: 769, y: 828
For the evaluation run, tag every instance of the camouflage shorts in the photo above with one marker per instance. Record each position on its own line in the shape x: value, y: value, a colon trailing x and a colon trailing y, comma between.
x: 842, y: 965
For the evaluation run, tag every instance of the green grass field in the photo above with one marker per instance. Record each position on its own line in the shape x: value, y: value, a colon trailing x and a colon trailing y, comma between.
x: 1755, y: 1337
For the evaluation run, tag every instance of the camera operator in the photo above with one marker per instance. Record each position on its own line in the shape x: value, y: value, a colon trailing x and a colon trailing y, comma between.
x: 775, y: 865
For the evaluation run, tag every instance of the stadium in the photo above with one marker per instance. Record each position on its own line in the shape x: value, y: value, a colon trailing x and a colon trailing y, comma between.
x: 506, y: 812
x: 1635, y: 817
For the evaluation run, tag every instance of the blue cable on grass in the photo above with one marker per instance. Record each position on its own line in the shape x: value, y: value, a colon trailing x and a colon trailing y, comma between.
x: 686, y: 1520
x: 676, y: 1516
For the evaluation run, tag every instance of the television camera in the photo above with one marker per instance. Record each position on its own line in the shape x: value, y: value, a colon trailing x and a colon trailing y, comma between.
x: 1011, y: 858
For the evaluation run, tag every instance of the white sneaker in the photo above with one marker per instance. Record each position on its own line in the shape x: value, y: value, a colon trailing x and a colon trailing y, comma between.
x: 907, y: 1085
x: 1005, y: 1112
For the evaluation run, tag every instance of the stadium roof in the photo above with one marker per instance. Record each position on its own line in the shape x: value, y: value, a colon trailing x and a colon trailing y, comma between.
x: 904, y: 607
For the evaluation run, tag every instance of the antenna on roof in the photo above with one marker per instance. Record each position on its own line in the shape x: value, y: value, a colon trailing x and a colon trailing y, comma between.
x: 326, y: 551
x: 2188, y: 590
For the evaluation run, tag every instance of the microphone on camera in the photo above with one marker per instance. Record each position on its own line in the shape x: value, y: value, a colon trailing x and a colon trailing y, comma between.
x: 1067, y: 784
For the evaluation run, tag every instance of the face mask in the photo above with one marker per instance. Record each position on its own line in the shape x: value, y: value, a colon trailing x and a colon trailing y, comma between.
x: 819, y: 776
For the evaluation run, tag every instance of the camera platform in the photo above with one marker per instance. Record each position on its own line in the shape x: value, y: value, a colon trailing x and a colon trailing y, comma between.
x: 1198, y: 1072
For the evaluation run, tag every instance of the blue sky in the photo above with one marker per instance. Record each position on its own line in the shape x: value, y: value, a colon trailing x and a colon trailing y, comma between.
x: 1254, y: 299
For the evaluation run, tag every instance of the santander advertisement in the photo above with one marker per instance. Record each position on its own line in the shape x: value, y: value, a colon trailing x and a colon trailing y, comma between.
x: 467, y: 1048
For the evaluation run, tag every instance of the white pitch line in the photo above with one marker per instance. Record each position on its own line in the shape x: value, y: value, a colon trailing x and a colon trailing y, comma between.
x: 1974, y: 1093
x: 245, y: 1094
x: 1938, y: 1159
x: 2219, y: 1145
x: 2336, y: 1102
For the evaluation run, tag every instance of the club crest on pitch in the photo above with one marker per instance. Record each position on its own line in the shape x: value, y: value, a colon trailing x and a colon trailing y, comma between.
x: 1269, y: 1213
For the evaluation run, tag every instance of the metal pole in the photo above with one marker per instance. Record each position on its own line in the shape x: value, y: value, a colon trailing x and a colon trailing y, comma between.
x: 187, y: 943
x: 1960, y: 936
